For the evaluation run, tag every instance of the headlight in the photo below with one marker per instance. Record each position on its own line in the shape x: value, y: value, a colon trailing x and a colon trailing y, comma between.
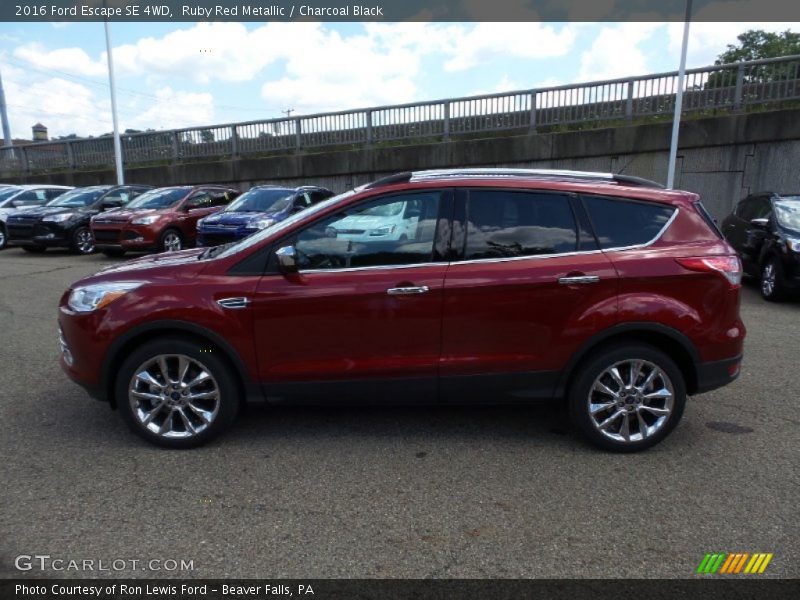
x: 148, y: 220
x: 793, y: 245
x: 92, y: 297
x: 382, y: 230
x: 262, y: 223
x: 60, y: 218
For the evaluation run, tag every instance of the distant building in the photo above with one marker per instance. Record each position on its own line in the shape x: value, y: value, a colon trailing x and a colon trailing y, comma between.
x: 39, y: 133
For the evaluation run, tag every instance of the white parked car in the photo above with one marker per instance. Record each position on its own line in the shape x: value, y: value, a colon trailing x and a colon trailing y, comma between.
x: 387, y: 222
x: 14, y: 197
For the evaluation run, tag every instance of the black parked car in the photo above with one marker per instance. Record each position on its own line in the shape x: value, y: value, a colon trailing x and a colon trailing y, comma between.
x: 64, y: 222
x: 765, y: 230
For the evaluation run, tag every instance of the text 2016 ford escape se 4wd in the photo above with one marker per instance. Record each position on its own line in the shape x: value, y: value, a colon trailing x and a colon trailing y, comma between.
x: 511, y: 285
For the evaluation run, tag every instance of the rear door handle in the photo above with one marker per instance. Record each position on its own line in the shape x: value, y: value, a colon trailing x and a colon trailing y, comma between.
x: 408, y: 291
x: 578, y: 280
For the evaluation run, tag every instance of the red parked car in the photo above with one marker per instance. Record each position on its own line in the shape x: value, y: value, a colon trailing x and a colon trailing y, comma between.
x: 164, y: 219
x: 505, y: 286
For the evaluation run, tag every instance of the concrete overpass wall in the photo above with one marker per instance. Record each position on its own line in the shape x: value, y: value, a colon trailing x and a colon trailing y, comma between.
x: 721, y: 158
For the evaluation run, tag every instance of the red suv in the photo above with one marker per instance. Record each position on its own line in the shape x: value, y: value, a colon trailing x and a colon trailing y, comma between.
x: 503, y: 286
x: 163, y: 219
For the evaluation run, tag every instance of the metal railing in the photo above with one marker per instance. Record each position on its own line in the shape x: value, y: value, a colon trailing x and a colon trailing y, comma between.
x: 734, y: 87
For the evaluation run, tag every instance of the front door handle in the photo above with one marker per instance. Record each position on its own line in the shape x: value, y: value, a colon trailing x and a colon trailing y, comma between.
x: 408, y: 291
x: 578, y: 280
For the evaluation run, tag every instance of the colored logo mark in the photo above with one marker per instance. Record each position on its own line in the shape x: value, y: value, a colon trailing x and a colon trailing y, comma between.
x: 735, y: 563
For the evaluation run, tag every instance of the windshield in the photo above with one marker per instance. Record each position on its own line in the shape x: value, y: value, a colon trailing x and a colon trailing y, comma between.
x: 261, y: 200
x: 162, y: 198
x: 285, y: 224
x: 6, y: 195
x: 79, y: 197
x: 787, y: 211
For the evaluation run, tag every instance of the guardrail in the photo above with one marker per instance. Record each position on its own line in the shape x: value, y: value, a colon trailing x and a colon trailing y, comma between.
x: 736, y: 87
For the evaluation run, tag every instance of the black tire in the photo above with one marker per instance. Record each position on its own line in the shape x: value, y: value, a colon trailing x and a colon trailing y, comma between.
x: 214, y: 364
x: 78, y: 243
x: 34, y: 249
x: 3, y: 236
x: 166, y: 235
x: 771, y: 284
x: 113, y: 252
x: 593, y: 367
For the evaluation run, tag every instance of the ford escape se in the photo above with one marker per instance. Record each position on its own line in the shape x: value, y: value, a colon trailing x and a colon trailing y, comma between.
x: 511, y: 285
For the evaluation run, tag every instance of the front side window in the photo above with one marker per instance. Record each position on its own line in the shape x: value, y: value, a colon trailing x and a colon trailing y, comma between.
x: 394, y: 230
x: 511, y: 224
x: 621, y: 223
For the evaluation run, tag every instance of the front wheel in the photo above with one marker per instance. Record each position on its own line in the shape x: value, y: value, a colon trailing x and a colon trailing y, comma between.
x: 173, y: 392
x: 772, y: 287
x: 81, y: 241
x: 627, y: 398
x: 170, y: 241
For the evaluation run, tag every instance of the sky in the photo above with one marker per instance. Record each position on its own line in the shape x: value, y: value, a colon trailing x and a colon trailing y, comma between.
x: 172, y: 75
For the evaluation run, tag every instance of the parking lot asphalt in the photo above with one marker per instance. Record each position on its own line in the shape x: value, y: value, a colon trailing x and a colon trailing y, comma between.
x: 480, y: 492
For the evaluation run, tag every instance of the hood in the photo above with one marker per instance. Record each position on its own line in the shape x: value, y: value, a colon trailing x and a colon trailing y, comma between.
x: 147, y: 264
x: 121, y: 215
x: 234, y: 218
x: 362, y: 222
x: 43, y: 211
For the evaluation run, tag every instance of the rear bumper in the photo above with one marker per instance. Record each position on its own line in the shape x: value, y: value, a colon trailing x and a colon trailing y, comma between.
x: 713, y: 375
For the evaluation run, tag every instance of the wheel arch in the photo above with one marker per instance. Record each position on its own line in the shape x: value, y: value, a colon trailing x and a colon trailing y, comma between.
x: 126, y: 343
x: 667, y: 339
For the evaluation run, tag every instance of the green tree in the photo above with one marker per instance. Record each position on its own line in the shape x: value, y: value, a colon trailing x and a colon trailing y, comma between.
x: 757, y: 44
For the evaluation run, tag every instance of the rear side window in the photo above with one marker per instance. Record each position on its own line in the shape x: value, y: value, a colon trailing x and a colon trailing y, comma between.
x: 708, y: 219
x: 621, y: 223
x: 509, y: 224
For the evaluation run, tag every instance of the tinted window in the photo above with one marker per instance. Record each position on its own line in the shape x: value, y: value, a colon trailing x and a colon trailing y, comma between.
x: 620, y: 223
x: 221, y: 197
x: 319, y: 195
x: 54, y: 193
x: 395, y: 230
x: 507, y: 224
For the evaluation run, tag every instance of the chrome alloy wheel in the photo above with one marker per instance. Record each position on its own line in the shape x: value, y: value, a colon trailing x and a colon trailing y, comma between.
x: 768, y: 279
x: 84, y: 242
x: 174, y: 396
x: 631, y: 400
x: 172, y: 242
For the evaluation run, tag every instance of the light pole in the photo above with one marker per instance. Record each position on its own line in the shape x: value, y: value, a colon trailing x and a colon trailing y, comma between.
x: 4, y: 115
x: 676, y: 119
x: 117, y: 142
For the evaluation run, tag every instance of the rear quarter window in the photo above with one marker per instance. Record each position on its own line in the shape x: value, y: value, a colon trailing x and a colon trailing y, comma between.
x: 619, y: 223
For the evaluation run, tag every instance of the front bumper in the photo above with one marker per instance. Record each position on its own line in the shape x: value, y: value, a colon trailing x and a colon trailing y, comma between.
x: 81, y: 353
x: 125, y: 237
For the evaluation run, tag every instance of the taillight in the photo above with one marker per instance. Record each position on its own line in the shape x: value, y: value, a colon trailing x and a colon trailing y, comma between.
x: 728, y: 266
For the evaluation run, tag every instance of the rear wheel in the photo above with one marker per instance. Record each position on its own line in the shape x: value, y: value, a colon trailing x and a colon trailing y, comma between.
x: 627, y: 397
x: 772, y: 286
x: 34, y: 249
x: 3, y: 236
x: 113, y: 252
x: 170, y: 241
x: 81, y: 241
x: 174, y: 393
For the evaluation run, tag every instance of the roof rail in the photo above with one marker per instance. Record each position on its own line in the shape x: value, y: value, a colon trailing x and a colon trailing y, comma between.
x: 407, y: 176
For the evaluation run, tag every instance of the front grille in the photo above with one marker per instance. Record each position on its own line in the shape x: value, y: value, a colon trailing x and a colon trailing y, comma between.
x: 350, y: 231
x: 19, y: 229
x: 105, y: 235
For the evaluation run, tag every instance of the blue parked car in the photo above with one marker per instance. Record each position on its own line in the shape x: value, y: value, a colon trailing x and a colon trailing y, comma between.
x: 256, y: 209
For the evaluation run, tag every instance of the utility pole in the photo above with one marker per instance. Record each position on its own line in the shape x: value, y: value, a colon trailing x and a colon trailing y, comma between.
x: 112, y: 85
x: 676, y: 118
x: 288, y: 112
x: 4, y: 115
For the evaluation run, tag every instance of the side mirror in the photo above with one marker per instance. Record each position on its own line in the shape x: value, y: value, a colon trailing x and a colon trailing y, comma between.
x: 760, y: 223
x: 287, y: 259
